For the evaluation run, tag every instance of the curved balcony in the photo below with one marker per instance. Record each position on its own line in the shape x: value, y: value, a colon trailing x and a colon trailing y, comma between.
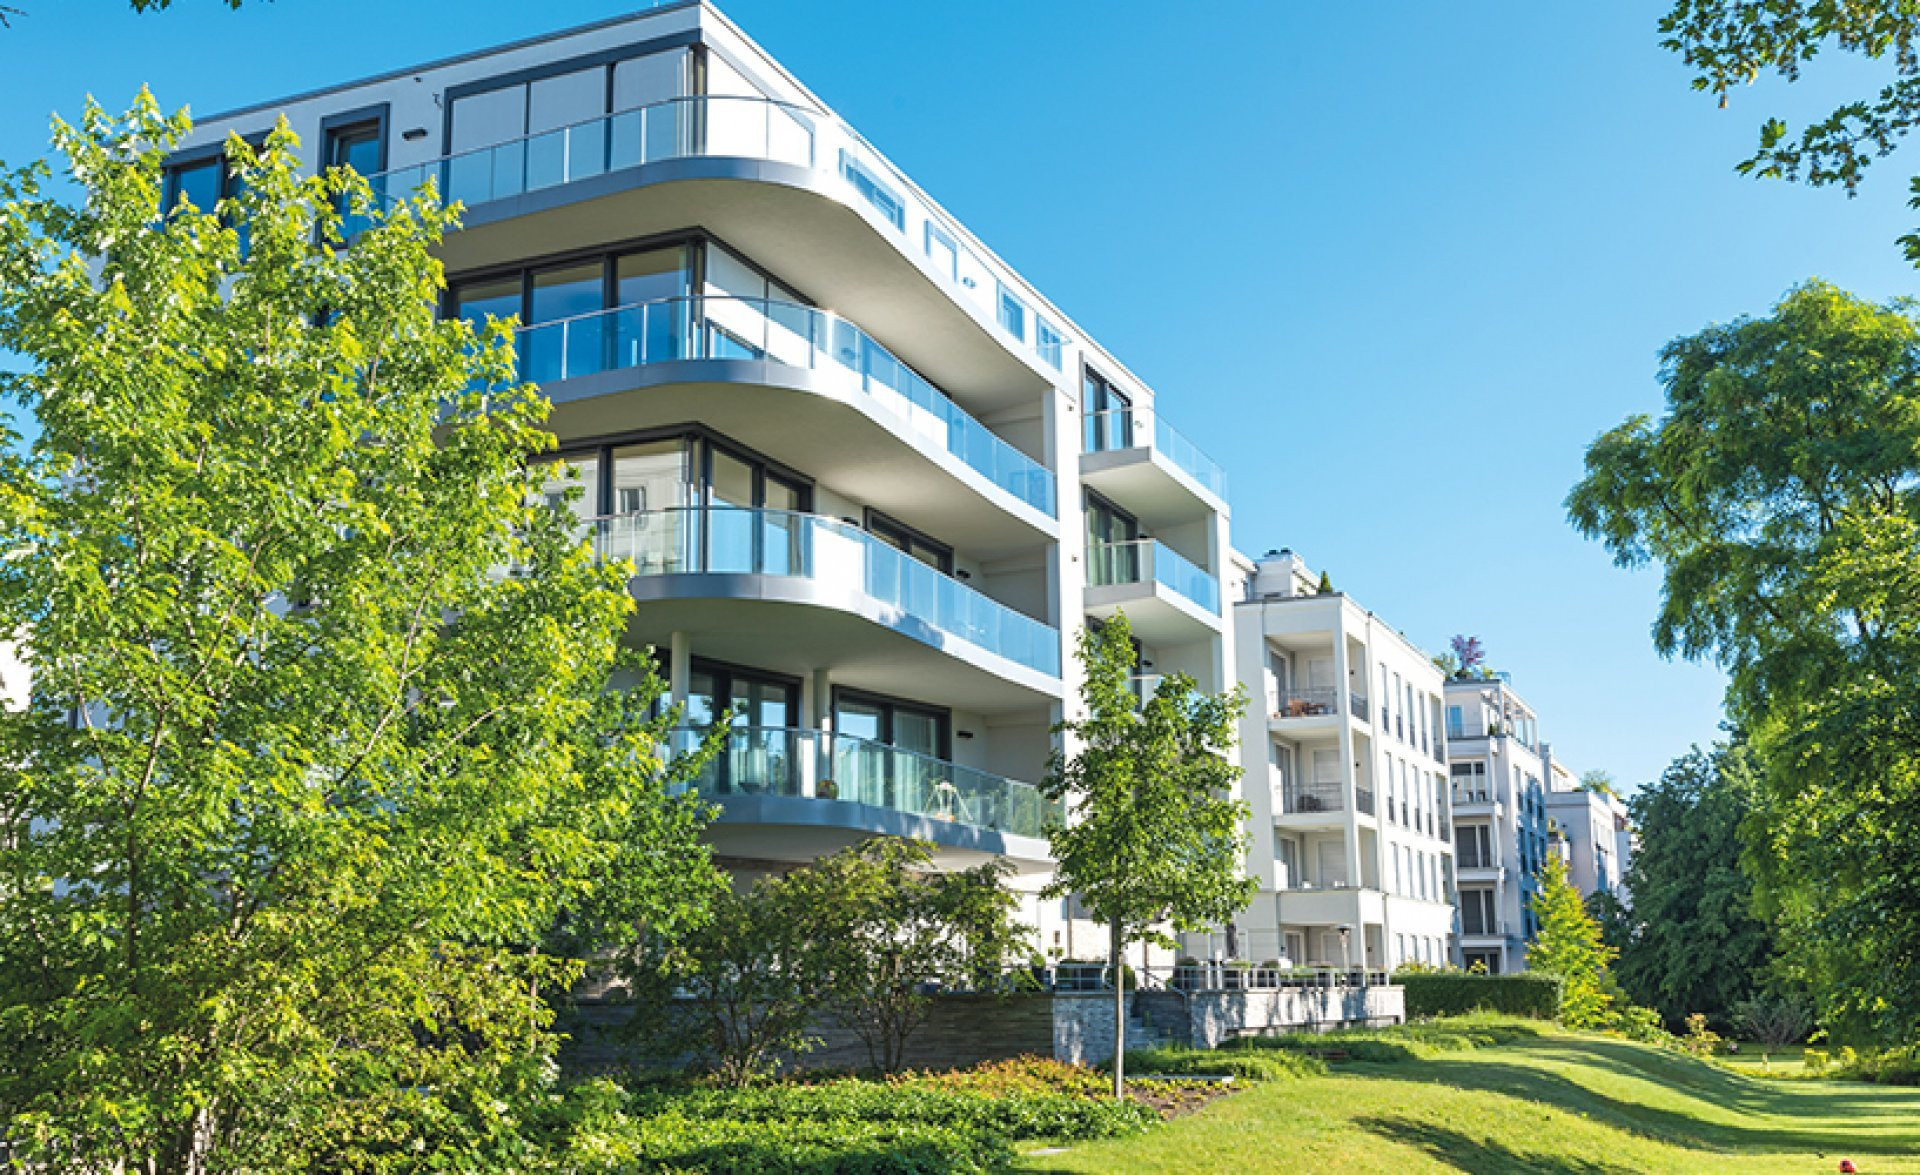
x: 810, y: 559
x: 818, y: 150
x: 763, y: 329
x: 766, y: 774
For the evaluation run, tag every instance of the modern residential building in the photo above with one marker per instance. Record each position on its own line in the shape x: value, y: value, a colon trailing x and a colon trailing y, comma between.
x: 1500, y: 818
x: 1589, y: 828
x: 1344, y: 756
x: 871, y: 481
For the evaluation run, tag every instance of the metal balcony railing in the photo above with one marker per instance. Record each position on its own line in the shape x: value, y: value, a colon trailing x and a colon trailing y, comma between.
x: 1311, y: 702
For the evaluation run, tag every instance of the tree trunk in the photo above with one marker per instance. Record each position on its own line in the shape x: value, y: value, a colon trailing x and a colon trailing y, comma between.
x: 1119, y: 1012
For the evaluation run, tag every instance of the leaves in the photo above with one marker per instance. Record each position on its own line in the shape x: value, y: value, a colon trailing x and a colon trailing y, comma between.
x: 309, y: 775
x: 1568, y: 945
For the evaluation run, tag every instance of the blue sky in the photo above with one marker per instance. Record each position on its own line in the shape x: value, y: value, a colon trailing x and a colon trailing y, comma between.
x: 1393, y: 265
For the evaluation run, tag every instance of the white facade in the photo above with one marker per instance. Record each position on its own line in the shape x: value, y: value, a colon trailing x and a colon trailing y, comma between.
x: 1589, y: 829
x: 1344, y: 761
x: 870, y: 516
x: 1500, y: 819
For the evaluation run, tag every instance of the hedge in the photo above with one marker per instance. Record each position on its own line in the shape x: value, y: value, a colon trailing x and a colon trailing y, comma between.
x: 1448, y: 993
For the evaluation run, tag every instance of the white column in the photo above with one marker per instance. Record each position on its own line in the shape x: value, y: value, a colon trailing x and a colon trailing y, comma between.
x: 680, y: 666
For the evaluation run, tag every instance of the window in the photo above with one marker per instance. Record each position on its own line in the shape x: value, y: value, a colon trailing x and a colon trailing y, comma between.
x: 943, y: 251
x: 204, y: 182
x: 761, y: 755
x: 895, y: 722
x: 1013, y: 314
x: 1477, y: 912
x: 1113, y: 550
x: 1048, y: 342
x: 1470, y: 783
x: 1289, y: 853
x: 1108, y: 412
x: 918, y: 546
x: 878, y: 194
x: 1488, y: 961
x: 361, y: 144
x: 1456, y: 722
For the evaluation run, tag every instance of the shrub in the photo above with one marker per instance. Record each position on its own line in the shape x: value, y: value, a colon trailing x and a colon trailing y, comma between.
x: 1700, y: 1040
x: 682, y: 1142
x: 1011, y: 1116
x: 1240, y: 1064
x: 1899, y: 1066
x: 1639, y: 1023
x: 1015, y: 1075
x: 1452, y: 993
x: 1401, y: 1042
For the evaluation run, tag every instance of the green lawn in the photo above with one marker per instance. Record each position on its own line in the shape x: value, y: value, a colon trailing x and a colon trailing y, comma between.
x: 1556, y: 1103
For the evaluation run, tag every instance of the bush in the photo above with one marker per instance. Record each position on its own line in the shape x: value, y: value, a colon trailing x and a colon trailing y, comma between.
x: 1779, y: 1020
x: 1011, y: 1116
x: 1240, y: 1064
x: 1402, y: 1042
x: 1700, y: 1040
x: 1642, y: 1024
x: 1893, y: 1067
x: 681, y: 1142
x: 1453, y: 993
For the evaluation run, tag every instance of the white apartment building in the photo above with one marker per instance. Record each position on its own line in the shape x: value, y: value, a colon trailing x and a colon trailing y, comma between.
x: 871, y: 480
x: 1590, y: 830
x: 1500, y: 818
x: 1344, y: 757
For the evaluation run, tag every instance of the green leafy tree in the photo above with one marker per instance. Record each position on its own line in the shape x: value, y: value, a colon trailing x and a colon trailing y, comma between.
x: 1568, y: 944
x: 905, y: 927
x: 306, y: 778
x: 1732, y: 43
x: 1154, y: 834
x: 1692, y: 941
x: 1780, y: 495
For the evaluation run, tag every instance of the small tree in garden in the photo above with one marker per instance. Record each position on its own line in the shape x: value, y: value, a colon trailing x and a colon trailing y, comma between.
x: 1569, y: 945
x: 1155, y: 835
x: 901, y: 928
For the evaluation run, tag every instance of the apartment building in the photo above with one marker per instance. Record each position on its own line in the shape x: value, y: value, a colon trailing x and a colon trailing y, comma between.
x: 1500, y: 818
x: 871, y: 480
x: 1344, y: 756
x: 1590, y: 830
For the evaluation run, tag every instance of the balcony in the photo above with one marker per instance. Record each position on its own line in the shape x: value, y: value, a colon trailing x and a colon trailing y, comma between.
x: 1304, y: 799
x: 568, y: 188
x: 1311, y: 702
x: 1167, y: 599
x: 758, y: 329
x: 812, y: 560
x: 842, y: 781
x: 1163, y: 481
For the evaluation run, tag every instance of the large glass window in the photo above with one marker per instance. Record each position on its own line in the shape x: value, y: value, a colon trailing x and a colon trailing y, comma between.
x: 917, y: 546
x: 909, y: 726
x: 1113, y: 555
x: 1108, y: 412
x: 763, y: 754
x: 1477, y: 912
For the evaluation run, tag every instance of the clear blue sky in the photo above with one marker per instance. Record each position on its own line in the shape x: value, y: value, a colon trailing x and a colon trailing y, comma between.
x: 1394, y: 265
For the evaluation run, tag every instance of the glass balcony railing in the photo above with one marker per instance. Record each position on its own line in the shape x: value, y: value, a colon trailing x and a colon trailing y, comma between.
x: 726, y: 540
x: 1126, y: 428
x: 1147, y: 560
x: 746, y: 127
x: 839, y: 768
x: 714, y: 327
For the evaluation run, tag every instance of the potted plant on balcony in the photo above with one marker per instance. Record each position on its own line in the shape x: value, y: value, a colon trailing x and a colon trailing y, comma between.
x: 1186, y: 973
x: 826, y: 789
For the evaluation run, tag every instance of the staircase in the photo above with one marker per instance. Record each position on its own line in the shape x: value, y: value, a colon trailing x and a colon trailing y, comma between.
x: 1156, y: 1019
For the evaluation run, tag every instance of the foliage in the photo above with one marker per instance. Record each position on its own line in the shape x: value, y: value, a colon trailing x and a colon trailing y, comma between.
x: 1014, y: 1115
x: 1325, y: 586
x: 1638, y: 1023
x: 1024, y: 1074
x: 1781, y: 495
x: 1777, y: 1018
x: 1731, y: 43
x: 1403, y: 1042
x: 1239, y: 1064
x: 1455, y: 993
x: 1898, y: 1066
x: 1690, y: 941
x: 1700, y: 1040
x: 1568, y: 945
x: 799, y: 1146
x: 1469, y: 655
x: 1156, y: 835
x: 1599, y: 782
x: 306, y: 779
x: 893, y: 928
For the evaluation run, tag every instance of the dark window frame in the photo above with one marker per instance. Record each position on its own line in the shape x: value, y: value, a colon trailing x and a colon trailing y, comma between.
x: 886, y: 527
x: 889, y: 705
x: 601, y: 448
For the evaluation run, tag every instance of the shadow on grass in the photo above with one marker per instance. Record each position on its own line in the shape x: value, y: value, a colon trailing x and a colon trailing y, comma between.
x: 1462, y: 1153
x: 1789, y: 1131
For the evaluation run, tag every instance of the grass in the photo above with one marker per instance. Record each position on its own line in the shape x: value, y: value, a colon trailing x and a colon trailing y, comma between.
x: 1762, y: 1060
x: 1544, y: 1100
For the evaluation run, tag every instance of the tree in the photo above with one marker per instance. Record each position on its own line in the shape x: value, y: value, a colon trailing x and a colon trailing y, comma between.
x: 1781, y: 497
x: 1155, y: 836
x: 1599, y: 782
x: 1694, y: 943
x: 1731, y: 43
x: 1568, y: 945
x: 1469, y: 656
x: 903, y: 928
x: 308, y: 775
